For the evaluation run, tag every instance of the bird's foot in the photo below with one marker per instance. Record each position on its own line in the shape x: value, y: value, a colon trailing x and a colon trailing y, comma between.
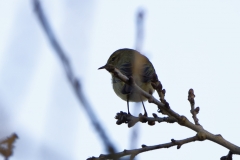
x: 145, y: 114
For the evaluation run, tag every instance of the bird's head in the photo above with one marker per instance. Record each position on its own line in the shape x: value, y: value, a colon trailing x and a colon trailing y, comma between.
x: 119, y: 57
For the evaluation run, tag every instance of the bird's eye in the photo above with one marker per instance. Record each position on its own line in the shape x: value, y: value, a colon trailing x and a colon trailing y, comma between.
x: 113, y: 58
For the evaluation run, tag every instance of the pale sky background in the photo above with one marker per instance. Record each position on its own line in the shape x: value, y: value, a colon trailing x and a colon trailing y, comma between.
x: 192, y: 44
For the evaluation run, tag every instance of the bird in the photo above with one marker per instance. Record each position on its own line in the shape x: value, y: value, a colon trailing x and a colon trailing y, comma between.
x: 133, y: 64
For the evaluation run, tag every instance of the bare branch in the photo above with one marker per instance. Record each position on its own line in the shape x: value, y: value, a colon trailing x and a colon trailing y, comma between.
x: 182, y: 120
x: 134, y: 152
x: 193, y: 110
x: 157, y: 85
x: 123, y: 117
x: 73, y: 80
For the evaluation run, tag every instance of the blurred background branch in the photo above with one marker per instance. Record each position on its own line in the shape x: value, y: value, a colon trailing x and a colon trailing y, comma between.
x: 139, y: 29
x: 73, y: 80
x: 138, y: 46
x: 6, y: 146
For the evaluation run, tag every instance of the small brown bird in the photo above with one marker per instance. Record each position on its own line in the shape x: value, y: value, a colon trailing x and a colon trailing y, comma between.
x: 131, y: 63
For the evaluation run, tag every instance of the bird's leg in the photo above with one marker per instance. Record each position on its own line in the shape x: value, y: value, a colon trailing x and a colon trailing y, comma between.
x: 128, y: 104
x: 145, y: 112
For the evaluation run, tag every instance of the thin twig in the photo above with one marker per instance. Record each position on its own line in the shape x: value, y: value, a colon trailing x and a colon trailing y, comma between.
x: 157, y: 85
x: 123, y: 117
x: 73, y: 80
x: 193, y: 110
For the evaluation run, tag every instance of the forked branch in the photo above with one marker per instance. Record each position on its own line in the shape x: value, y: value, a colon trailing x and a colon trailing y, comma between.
x: 201, y: 135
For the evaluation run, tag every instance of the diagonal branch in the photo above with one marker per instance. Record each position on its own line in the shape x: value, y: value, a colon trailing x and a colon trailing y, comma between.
x: 73, y: 80
x: 132, y: 153
x: 182, y: 120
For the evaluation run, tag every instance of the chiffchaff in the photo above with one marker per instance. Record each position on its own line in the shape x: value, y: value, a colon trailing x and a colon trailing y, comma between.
x: 131, y: 63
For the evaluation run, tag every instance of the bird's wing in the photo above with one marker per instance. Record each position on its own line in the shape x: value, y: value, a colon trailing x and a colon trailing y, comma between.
x: 126, y: 69
x: 147, y: 73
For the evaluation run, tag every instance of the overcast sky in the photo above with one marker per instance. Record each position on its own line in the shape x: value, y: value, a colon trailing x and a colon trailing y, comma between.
x: 192, y: 44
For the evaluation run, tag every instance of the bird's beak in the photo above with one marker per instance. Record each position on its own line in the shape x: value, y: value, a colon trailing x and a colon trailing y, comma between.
x: 102, y: 67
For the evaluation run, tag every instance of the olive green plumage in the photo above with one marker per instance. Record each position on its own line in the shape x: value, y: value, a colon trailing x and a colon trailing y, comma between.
x: 131, y: 63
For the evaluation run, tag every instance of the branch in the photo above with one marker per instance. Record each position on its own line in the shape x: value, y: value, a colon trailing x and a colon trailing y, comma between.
x: 139, y: 29
x: 193, y: 110
x: 134, y: 152
x: 138, y: 46
x: 131, y: 120
x: 156, y: 84
x: 182, y: 120
x: 6, y: 145
x: 73, y: 80
x: 227, y: 157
